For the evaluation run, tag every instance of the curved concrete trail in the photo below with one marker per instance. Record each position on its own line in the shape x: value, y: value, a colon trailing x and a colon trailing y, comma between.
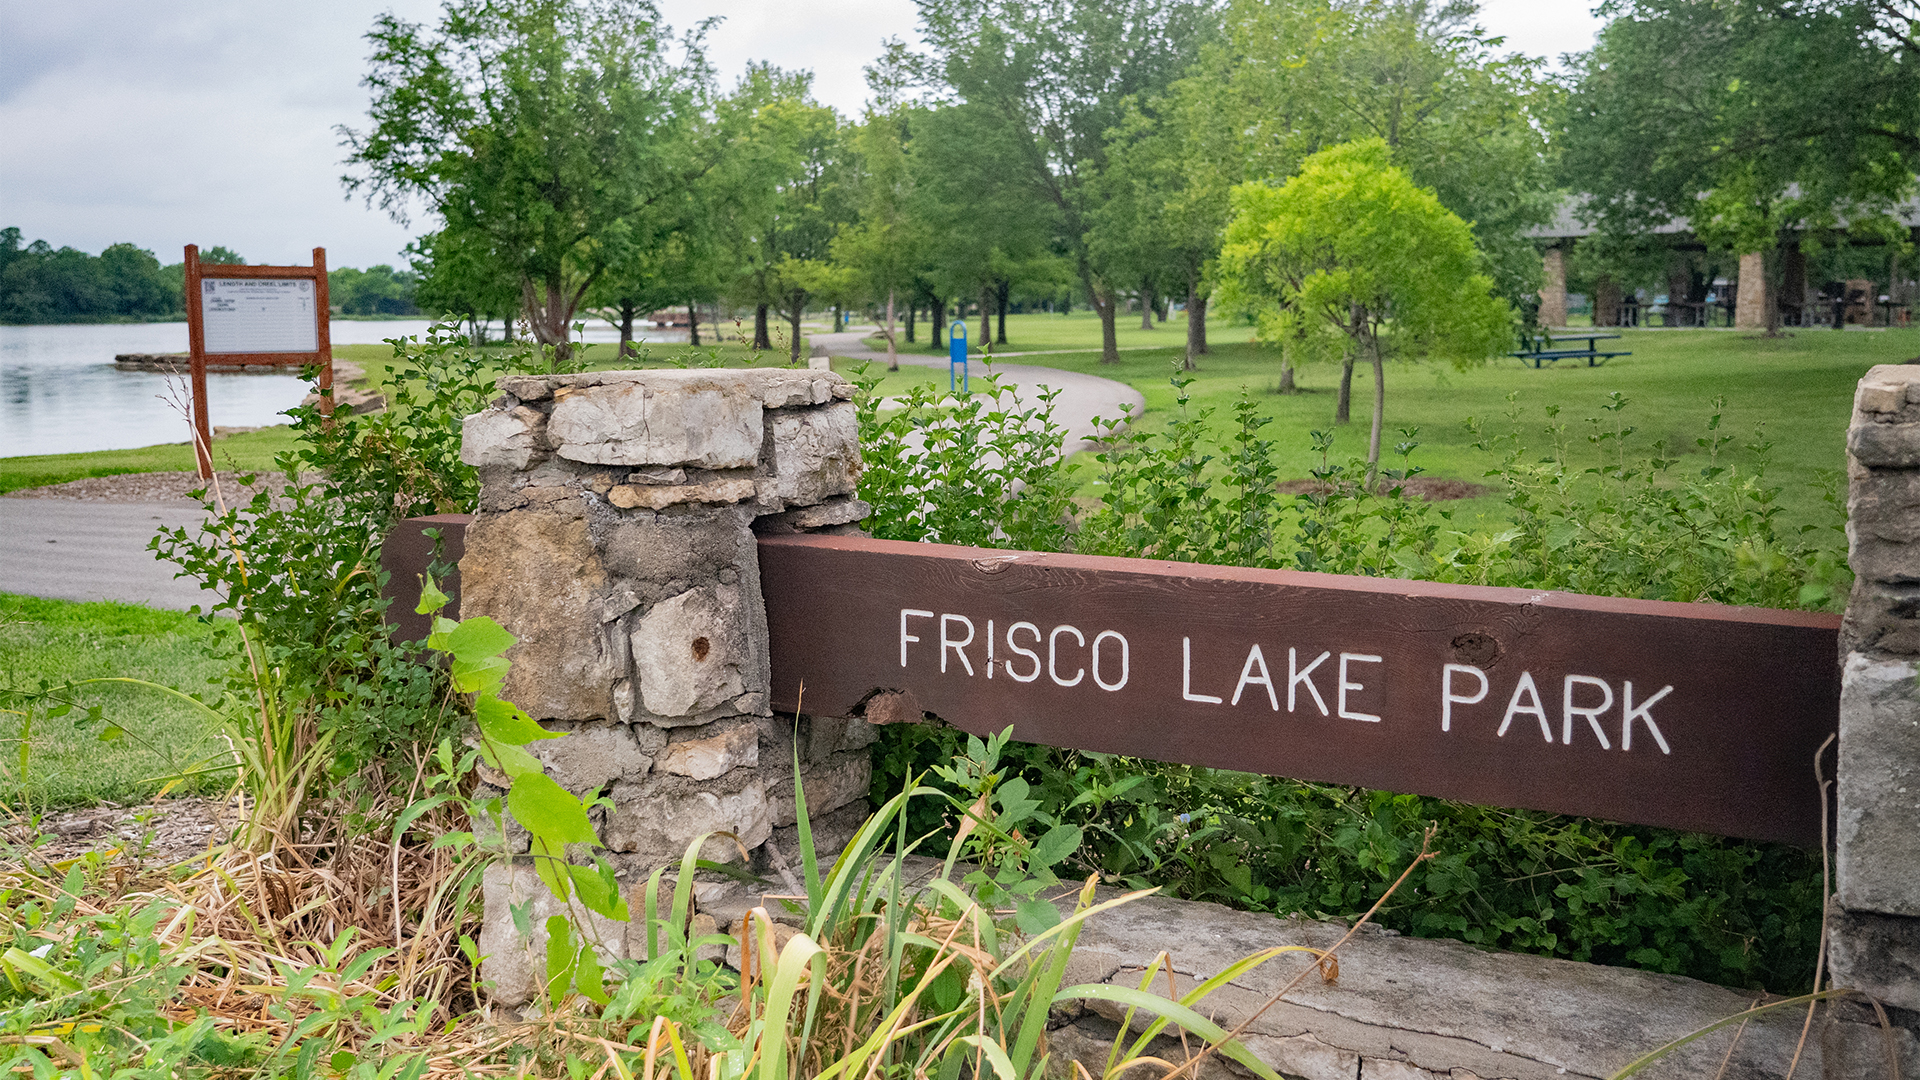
x: 1082, y: 397
x: 97, y: 550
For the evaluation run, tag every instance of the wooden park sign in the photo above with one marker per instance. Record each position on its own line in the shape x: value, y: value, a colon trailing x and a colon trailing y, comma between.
x: 266, y: 315
x: 1688, y: 716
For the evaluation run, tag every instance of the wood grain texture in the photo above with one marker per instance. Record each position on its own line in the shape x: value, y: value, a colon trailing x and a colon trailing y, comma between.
x: 1742, y: 697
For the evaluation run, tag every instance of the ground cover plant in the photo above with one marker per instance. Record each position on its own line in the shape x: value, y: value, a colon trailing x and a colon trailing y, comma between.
x: 60, y: 760
x: 1202, y: 488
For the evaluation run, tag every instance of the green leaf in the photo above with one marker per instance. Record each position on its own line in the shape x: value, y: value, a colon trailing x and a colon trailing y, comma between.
x: 431, y: 598
x: 549, y: 810
x: 475, y: 676
x: 509, y: 759
x: 112, y: 733
x: 478, y: 638
x: 1035, y: 916
x: 503, y: 721
x: 561, y: 957
x: 599, y: 890
x: 1059, y: 842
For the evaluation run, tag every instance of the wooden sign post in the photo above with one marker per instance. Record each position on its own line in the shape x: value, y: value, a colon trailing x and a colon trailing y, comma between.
x: 1689, y: 716
x: 265, y: 315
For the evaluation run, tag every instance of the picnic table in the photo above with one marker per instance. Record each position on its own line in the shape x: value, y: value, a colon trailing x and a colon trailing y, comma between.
x: 1541, y: 349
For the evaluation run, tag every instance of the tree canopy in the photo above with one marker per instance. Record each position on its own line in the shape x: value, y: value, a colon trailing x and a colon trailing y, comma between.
x: 1351, y: 246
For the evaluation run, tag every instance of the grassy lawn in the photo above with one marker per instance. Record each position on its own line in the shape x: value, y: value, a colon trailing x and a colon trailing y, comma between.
x: 66, y: 763
x: 1798, y: 389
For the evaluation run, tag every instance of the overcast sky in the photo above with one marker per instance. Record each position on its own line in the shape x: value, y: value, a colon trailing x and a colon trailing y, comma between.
x: 164, y: 122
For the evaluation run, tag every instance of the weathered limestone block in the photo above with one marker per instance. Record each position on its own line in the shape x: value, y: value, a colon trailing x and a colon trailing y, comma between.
x: 656, y: 556
x: 1879, y: 954
x: 517, y: 966
x: 840, y: 780
x: 593, y: 755
x: 680, y: 418
x: 1878, y: 824
x: 509, y: 438
x: 657, y: 818
x: 838, y: 511
x: 535, y: 573
x: 693, y: 654
x: 716, y: 749
x: 659, y: 497
x: 816, y: 453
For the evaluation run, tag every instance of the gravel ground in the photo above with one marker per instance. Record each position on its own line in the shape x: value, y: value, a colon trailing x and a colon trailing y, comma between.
x: 153, y: 487
x: 173, y: 831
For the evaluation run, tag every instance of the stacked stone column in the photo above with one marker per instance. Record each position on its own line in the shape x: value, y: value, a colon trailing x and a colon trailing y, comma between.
x: 1875, y: 925
x: 615, y: 539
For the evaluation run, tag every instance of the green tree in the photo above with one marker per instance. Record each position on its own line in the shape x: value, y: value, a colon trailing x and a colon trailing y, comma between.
x: 1763, y: 124
x: 885, y: 245
x: 1050, y: 80
x: 456, y: 275
x: 542, y: 128
x: 1351, y: 246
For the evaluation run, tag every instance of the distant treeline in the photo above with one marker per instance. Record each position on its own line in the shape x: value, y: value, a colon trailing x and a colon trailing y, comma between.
x: 43, y: 284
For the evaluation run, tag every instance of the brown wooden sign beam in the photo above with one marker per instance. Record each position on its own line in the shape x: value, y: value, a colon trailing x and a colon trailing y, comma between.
x: 1689, y: 716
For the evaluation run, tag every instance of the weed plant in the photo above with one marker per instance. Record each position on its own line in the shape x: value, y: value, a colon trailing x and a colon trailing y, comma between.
x: 1739, y: 913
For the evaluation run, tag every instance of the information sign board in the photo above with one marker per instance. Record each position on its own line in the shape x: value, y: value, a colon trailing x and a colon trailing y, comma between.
x: 266, y: 315
x: 1689, y: 716
x: 258, y: 315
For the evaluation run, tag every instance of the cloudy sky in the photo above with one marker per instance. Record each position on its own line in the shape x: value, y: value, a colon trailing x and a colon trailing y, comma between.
x: 166, y: 122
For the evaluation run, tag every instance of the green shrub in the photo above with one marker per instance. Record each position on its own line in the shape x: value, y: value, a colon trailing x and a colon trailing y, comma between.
x: 1729, y: 911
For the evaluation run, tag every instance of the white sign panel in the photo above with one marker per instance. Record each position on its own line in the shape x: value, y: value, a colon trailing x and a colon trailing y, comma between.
x: 258, y: 315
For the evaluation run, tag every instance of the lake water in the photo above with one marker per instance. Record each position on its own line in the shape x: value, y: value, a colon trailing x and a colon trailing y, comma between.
x: 60, y: 392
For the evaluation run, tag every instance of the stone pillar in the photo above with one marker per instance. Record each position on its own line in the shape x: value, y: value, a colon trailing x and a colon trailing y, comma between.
x: 1750, y: 293
x: 615, y: 538
x: 1553, y: 290
x: 1606, y: 301
x: 1874, y: 942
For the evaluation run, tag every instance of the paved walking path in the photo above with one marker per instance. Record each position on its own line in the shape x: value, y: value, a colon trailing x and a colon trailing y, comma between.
x: 1082, y: 397
x: 68, y: 549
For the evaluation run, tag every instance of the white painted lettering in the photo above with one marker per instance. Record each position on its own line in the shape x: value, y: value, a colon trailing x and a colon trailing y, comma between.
x: 1053, y: 655
x: 1297, y: 675
x: 1014, y: 647
x: 989, y: 648
x: 1256, y: 659
x: 1448, y: 699
x: 1568, y: 710
x: 906, y: 637
x: 1629, y: 712
x: 958, y: 646
x: 1514, y: 708
x: 1186, y: 675
x: 1124, y: 660
x: 1358, y: 658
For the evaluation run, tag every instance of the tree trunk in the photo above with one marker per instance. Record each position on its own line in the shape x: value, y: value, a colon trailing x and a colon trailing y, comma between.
x: 986, y: 318
x: 1286, y: 378
x: 937, y: 311
x: 1109, y: 335
x: 1146, y: 303
x: 1000, y: 300
x: 1161, y: 306
x: 911, y: 306
x: 549, y: 316
x: 693, y: 324
x: 1379, y: 411
x: 761, y: 338
x: 893, y: 352
x: 794, y: 314
x: 1196, y: 324
x: 839, y: 318
x: 1343, y: 407
x: 627, y: 312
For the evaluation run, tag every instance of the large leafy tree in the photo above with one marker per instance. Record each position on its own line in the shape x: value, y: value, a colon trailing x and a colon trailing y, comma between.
x: 1053, y: 78
x: 1458, y: 114
x: 1760, y: 123
x: 1353, y: 247
x: 546, y: 129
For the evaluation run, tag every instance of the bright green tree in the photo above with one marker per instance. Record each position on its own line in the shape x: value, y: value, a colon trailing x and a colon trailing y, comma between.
x: 1353, y: 248
x: 546, y: 128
